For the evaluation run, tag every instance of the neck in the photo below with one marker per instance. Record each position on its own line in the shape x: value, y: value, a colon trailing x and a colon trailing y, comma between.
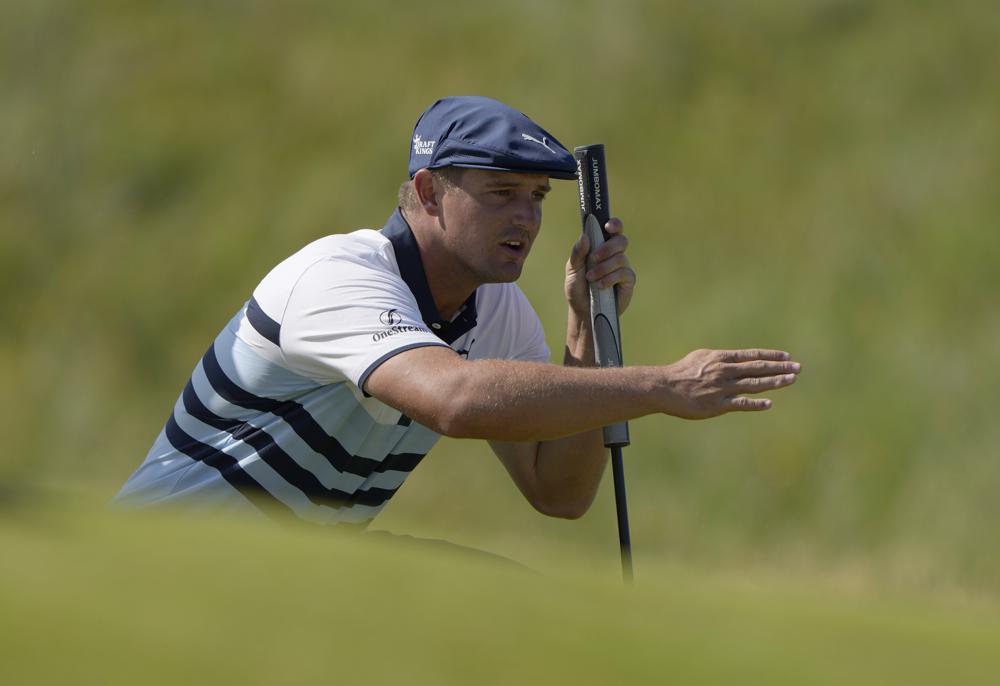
x: 450, y: 285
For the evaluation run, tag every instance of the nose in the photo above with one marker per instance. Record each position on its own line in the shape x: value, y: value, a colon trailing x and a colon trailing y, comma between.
x: 527, y: 214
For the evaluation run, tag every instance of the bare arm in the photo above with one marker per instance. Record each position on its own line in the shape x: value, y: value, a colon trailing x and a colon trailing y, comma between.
x: 560, y: 477
x: 544, y: 420
x: 527, y: 401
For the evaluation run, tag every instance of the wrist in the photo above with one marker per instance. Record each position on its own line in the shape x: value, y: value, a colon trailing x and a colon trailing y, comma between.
x: 579, y: 340
x: 668, y: 388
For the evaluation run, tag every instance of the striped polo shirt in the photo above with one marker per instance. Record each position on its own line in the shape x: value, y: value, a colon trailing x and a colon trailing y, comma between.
x: 274, y: 417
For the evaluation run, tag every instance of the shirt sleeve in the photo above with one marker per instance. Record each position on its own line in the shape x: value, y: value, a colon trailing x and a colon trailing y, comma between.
x: 508, y: 327
x: 530, y: 342
x: 345, y: 317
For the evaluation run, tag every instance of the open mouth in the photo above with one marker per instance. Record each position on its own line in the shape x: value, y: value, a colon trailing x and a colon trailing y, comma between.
x: 515, y: 247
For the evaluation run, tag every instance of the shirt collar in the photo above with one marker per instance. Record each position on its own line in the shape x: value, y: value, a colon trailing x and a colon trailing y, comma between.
x: 411, y: 268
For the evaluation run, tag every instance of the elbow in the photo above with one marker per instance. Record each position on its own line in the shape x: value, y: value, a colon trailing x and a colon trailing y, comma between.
x: 459, y: 414
x: 569, y: 513
x: 562, y: 508
x: 442, y: 409
x: 563, y: 498
x: 458, y: 423
x: 453, y: 419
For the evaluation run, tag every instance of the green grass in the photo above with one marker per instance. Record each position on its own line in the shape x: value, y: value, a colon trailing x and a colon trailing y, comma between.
x: 121, y: 600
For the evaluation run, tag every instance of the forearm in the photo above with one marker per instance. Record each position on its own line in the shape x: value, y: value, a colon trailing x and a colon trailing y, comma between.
x: 522, y: 401
x: 570, y: 468
x: 563, y: 408
x: 567, y: 473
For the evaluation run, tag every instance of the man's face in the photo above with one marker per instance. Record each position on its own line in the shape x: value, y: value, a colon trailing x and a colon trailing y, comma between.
x: 491, y: 220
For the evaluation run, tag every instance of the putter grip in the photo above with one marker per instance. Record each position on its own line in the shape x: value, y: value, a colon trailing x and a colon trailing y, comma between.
x: 592, y: 178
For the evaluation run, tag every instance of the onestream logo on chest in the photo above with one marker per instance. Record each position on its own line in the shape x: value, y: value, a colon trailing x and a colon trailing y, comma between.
x: 391, y: 320
x: 422, y: 147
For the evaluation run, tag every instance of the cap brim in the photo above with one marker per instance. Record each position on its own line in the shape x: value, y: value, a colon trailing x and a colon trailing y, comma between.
x: 552, y: 173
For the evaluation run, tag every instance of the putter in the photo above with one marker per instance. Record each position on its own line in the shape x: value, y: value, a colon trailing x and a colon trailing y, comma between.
x: 592, y: 176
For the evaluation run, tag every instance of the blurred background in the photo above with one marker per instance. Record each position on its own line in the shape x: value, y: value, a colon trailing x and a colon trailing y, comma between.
x: 818, y: 176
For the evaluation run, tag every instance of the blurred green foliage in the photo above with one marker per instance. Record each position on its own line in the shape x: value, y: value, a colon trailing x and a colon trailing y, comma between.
x: 157, y: 601
x: 818, y: 176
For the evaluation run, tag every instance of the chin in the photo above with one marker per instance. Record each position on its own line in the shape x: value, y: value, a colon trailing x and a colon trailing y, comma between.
x: 504, y: 275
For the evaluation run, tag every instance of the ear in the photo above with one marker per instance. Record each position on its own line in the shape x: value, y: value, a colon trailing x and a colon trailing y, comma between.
x: 428, y: 191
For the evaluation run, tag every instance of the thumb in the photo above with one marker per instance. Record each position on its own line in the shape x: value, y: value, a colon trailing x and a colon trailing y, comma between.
x: 578, y: 256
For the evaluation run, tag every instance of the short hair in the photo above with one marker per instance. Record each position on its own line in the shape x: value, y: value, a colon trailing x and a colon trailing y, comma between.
x: 448, y: 177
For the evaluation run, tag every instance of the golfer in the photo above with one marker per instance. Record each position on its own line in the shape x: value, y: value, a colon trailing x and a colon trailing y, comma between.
x: 354, y: 355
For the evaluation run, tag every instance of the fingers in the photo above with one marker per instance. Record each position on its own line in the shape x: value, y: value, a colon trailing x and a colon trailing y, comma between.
x: 758, y: 377
x: 741, y: 404
x: 611, y: 271
x: 753, y: 354
x: 614, y: 245
x: 759, y: 384
x: 759, y: 368
x: 578, y: 255
x: 608, y: 265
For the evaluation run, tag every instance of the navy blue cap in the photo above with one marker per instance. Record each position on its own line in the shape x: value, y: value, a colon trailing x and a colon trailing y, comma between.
x: 481, y: 133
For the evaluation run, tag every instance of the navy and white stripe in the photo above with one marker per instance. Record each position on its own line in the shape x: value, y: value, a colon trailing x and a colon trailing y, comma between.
x: 274, y: 417
x: 319, y: 454
x: 264, y: 325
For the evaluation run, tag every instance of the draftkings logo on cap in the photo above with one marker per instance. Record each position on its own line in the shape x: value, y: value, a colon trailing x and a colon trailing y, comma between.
x: 476, y: 132
x: 422, y: 147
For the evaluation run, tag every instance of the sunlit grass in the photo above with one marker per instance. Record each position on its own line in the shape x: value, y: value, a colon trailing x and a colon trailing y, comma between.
x: 90, y: 597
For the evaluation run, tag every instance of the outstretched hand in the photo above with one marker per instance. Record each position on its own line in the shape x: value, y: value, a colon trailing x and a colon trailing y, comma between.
x: 708, y: 383
x: 607, y: 266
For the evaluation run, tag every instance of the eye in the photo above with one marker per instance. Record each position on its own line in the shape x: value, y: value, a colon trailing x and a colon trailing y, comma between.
x: 502, y: 192
x: 538, y: 195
